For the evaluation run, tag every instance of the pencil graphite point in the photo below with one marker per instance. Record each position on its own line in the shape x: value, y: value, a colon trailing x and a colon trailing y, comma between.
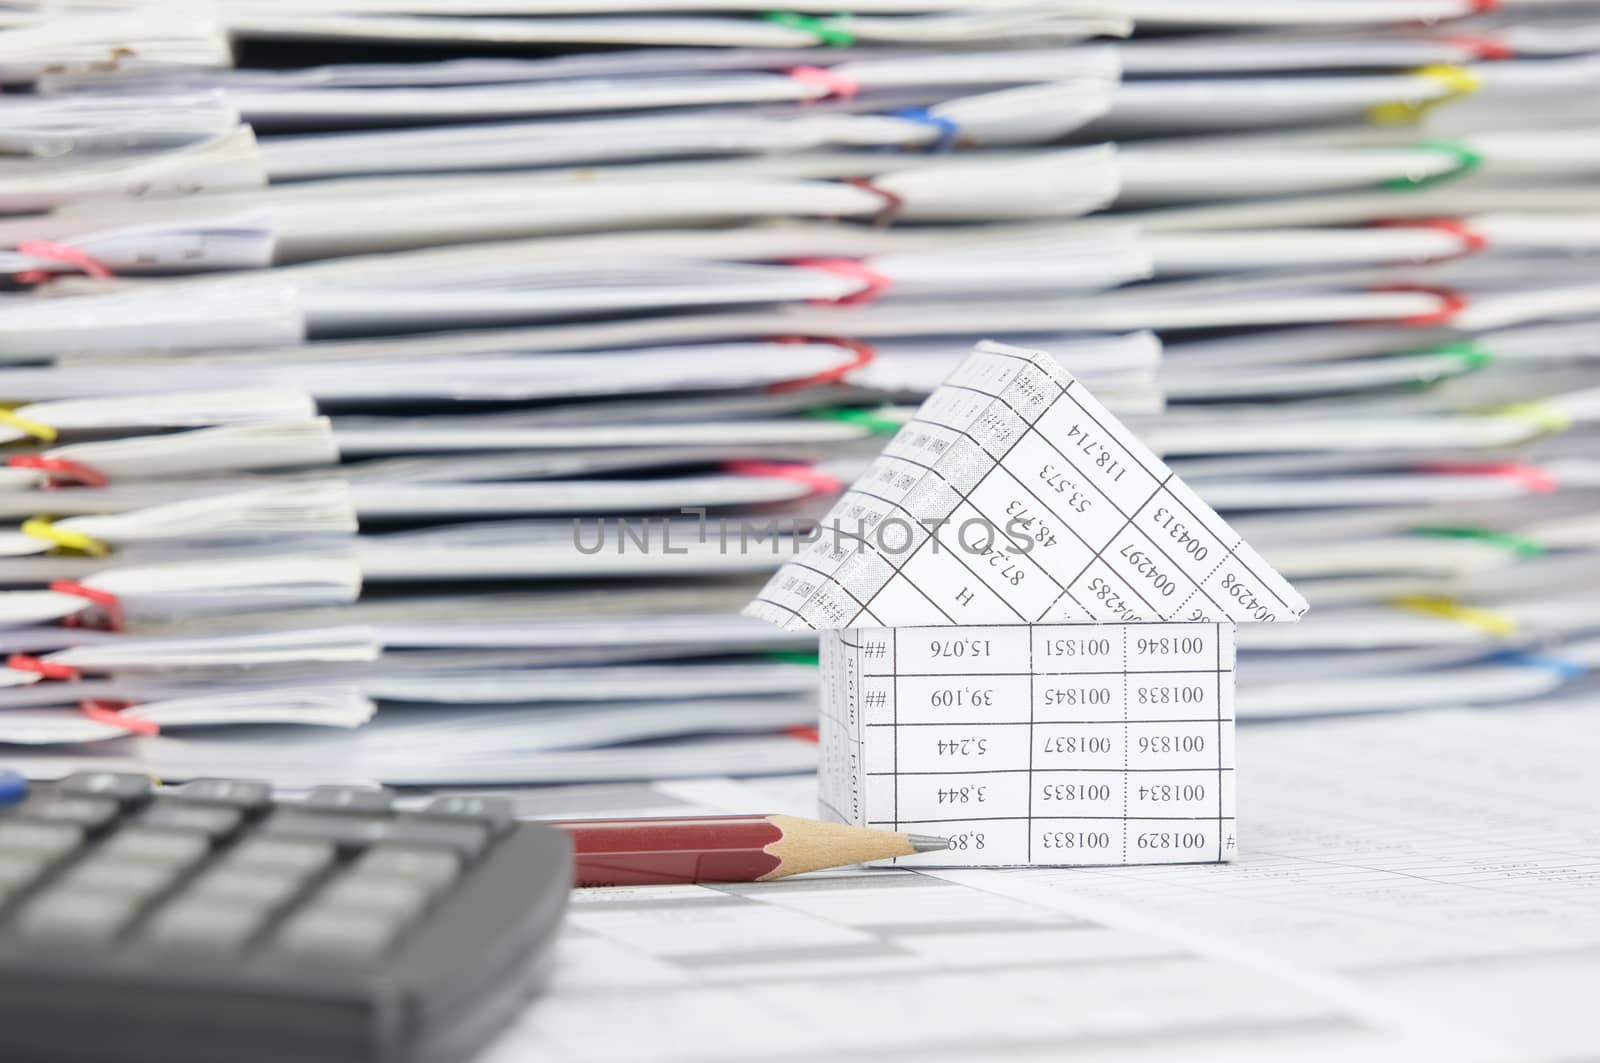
x: 810, y: 845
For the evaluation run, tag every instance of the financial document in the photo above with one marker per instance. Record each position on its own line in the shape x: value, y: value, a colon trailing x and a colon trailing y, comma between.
x: 1061, y: 744
x: 1014, y: 496
x: 1420, y: 886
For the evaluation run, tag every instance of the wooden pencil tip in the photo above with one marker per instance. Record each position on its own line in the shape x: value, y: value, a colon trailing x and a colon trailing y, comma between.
x: 811, y: 845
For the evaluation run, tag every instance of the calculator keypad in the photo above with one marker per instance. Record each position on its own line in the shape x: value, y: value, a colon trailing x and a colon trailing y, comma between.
x: 247, y: 795
x: 110, y: 875
x: 49, y: 840
x: 75, y: 915
x: 290, y: 855
x: 214, y: 822
x: 90, y: 813
x: 122, y: 787
x: 331, y: 935
x: 211, y: 921
x: 434, y: 868
x: 216, y: 867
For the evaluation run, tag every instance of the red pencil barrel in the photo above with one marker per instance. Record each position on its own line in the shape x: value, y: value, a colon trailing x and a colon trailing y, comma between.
x: 644, y: 852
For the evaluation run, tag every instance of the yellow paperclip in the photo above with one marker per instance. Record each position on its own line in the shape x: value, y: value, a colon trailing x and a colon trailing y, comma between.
x: 65, y: 538
x: 28, y: 426
x: 1486, y: 620
x: 1542, y: 414
x: 1458, y: 80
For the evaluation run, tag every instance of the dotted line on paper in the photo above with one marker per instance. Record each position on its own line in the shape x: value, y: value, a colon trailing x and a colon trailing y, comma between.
x: 1124, y: 745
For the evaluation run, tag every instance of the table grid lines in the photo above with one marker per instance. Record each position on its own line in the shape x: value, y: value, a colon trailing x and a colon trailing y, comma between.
x: 1113, y: 551
x: 1033, y: 708
x: 1094, y: 552
x: 1051, y: 781
x: 1219, y: 742
x: 962, y: 499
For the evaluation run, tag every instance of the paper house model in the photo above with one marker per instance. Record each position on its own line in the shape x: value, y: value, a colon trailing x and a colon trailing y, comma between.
x: 1026, y: 627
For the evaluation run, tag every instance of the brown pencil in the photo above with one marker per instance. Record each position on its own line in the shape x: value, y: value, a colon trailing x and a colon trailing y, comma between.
x: 644, y: 852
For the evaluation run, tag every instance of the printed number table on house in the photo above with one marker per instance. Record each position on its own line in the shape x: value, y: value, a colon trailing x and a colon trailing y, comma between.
x: 1026, y: 630
x: 1014, y: 496
x: 1025, y: 744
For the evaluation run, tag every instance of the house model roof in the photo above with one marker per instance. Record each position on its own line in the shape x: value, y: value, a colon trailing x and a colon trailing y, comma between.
x: 1013, y: 496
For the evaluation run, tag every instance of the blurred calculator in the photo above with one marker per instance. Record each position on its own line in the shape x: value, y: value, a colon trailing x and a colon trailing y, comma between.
x: 211, y: 923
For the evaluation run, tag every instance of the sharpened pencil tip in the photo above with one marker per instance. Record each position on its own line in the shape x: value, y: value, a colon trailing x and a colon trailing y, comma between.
x: 927, y: 843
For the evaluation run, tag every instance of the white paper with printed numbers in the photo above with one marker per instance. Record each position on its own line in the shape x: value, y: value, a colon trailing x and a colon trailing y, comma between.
x: 1029, y: 744
x: 1014, y: 497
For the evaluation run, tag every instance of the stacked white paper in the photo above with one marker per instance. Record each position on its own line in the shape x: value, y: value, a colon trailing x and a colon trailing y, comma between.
x: 339, y: 385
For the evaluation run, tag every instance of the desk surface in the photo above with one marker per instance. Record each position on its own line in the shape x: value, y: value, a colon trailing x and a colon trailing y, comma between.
x: 1425, y: 885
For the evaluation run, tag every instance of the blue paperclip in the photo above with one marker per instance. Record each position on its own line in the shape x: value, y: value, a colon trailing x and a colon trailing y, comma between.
x: 1560, y: 666
x: 949, y: 132
x: 13, y: 787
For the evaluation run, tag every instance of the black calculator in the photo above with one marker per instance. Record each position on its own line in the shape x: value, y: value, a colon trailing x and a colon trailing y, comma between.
x: 211, y: 923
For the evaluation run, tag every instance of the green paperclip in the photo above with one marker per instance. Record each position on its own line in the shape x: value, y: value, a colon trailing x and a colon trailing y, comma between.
x: 865, y: 418
x: 792, y: 656
x: 1467, y: 160
x: 1472, y: 356
x: 825, y: 32
x: 1520, y: 545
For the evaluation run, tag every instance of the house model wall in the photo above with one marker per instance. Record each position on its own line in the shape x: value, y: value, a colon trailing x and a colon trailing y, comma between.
x: 1026, y: 627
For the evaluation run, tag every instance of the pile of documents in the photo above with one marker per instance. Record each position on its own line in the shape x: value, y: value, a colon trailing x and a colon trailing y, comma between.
x: 415, y: 391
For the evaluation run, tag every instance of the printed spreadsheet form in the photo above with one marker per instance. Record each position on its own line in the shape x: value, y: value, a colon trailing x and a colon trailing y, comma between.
x: 1104, y: 744
x: 1421, y: 886
x: 1014, y: 496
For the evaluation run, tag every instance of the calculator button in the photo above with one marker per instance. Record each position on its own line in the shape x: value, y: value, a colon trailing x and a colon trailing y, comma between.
x: 338, y: 936
x: 260, y: 886
x: 433, y: 868
x: 398, y: 899
x: 247, y: 795
x: 90, y: 813
x: 146, y: 845
x: 289, y: 856
x: 216, y: 822
x: 467, y: 839
x: 52, y: 840
x: 200, y: 924
x: 345, y: 831
x: 86, y: 917
x: 496, y: 813
x: 350, y: 799
x: 18, y: 870
x: 136, y: 879
x: 121, y: 786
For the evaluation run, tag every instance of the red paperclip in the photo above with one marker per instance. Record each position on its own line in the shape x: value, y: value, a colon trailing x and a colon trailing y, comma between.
x: 101, y: 711
x: 1532, y: 477
x: 864, y: 354
x: 819, y: 482
x: 1472, y: 241
x: 109, y: 603
x: 839, y: 86
x: 64, y: 468
x: 1453, y: 303
x: 873, y: 283
x: 22, y: 662
x: 1482, y: 47
x: 893, y: 203
x: 804, y: 733
x: 66, y: 254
